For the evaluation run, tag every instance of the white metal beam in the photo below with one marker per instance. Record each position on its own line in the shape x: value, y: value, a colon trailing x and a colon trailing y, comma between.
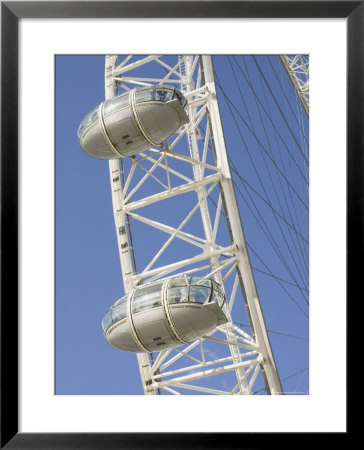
x: 120, y: 224
x: 253, y: 307
x: 199, y: 88
x: 297, y: 71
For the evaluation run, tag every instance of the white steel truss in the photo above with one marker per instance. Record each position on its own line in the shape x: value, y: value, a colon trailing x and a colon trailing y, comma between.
x: 203, y: 235
x: 297, y: 67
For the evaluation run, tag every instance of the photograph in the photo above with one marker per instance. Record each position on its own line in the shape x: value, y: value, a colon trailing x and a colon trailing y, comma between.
x: 182, y: 224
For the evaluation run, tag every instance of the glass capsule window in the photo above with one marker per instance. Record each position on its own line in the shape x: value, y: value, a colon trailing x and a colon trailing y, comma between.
x: 107, y: 321
x: 199, y: 294
x: 90, y: 118
x: 217, y: 298
x: 146, y: 297
x: 144, y: 95
x: 218, y: 288
x: 119, y: 311
x: 163, y: 94
x: 159, y: 93
x: 178, y: 294
x: 181, y: 98
x: 120, y: 300
x: 197, y: 281
x: 179, y: 281
x: 195, y: 290
x: 116, y: 313
x: 116, y: 103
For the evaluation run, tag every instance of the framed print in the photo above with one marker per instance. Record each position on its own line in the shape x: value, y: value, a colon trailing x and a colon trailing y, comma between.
x: 56, y: 389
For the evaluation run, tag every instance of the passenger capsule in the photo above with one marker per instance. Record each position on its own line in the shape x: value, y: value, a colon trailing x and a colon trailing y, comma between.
x: 132, y: 122
x: 164, y: 314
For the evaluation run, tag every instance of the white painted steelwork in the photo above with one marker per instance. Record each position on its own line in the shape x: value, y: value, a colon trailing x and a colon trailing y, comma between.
x: 197, y: 178
x: 297, y: 67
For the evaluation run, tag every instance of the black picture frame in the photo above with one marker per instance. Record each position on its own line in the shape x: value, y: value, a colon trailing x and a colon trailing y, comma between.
x: 11, y: 12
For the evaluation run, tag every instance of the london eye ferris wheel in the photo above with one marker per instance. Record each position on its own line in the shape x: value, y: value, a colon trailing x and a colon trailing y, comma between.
x: 208, y: 168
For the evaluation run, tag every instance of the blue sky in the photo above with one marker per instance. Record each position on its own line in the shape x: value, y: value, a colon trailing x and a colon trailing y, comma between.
x: 266, y: 135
